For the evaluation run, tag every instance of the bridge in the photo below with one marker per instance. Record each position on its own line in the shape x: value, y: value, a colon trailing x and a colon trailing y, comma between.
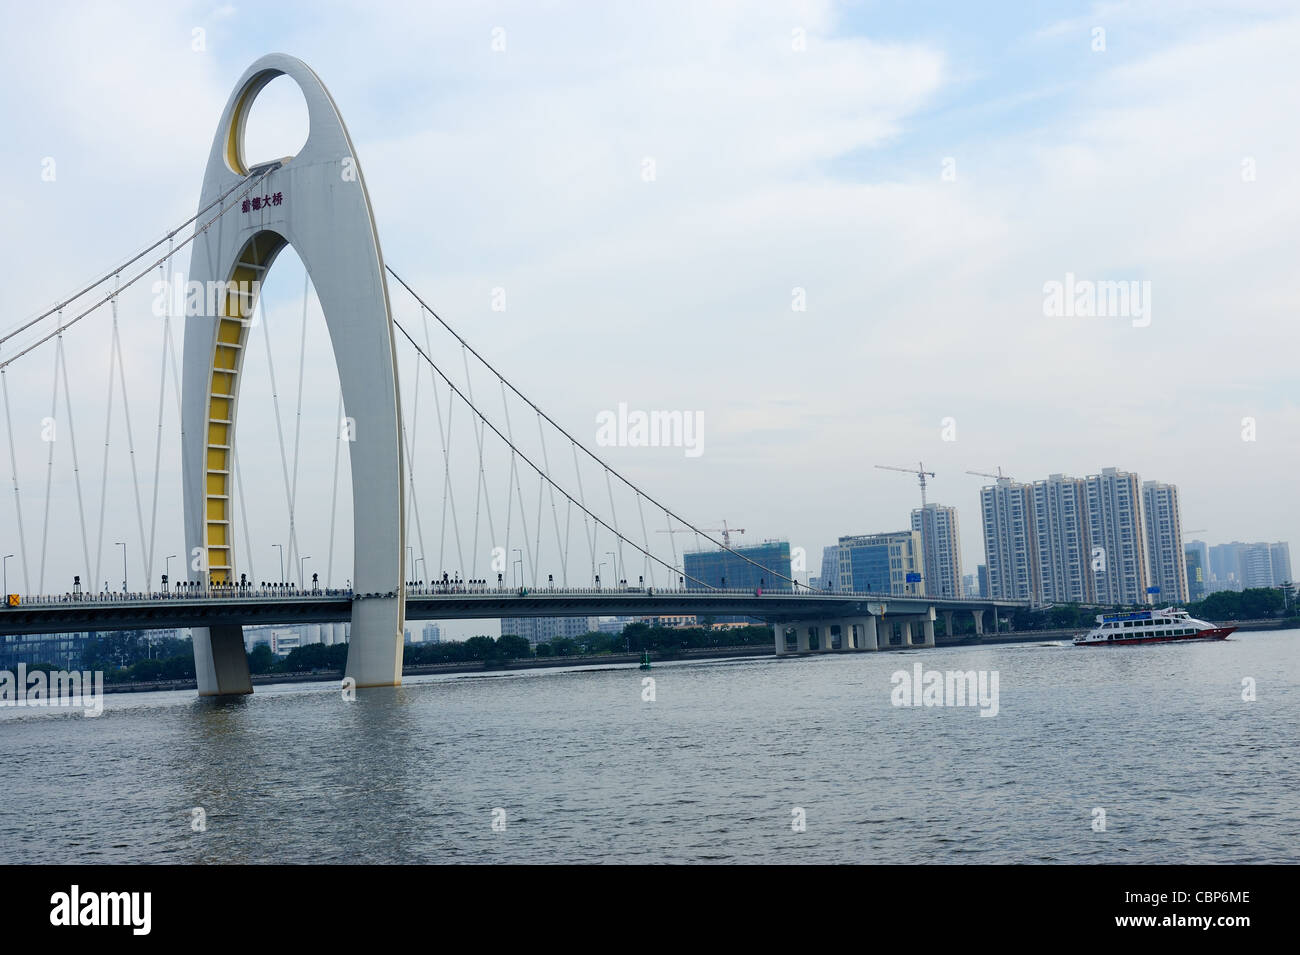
x: 316, y: 203
x: 804, y: 616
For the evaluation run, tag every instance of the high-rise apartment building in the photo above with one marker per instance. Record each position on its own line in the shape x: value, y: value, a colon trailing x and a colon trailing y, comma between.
x: 940, y: 549
x: 1102, y: 539
x: 1281, y: 554
x: 543, y: 629
x: 1061, y: 534
x: 1256, y: 563
x: 1166, y: 558
x: 1118, y: 553
x: 1238, y: 565
x: 1010, y: 547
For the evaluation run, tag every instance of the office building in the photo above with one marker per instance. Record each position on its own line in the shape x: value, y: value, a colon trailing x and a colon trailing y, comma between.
x: 882, y: 564
x: 747, y: 568
x: 828, y: 578
x: 1195, y: 567
x: 1197, y: 557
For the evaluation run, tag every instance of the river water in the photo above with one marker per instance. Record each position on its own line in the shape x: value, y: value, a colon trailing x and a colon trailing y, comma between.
x: 754, y: 760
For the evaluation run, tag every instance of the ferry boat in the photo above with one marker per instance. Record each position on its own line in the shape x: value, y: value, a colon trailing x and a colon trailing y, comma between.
x: 1149, y: 626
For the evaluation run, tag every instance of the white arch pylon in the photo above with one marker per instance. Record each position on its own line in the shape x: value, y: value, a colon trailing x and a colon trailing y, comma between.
x: 316, y: 202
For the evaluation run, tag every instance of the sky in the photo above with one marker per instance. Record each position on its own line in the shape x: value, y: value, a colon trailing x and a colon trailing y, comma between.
x: 840, y: 259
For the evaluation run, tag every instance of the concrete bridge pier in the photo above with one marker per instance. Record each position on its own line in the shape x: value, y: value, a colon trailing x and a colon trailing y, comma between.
x: 979, y: 620
x: 822, y: 630
x: 779, y: 630
x: 846, y: 635
x: 907, y: 631
x: 220, y: 663
x: 927, y: 629
x: 864, y: 633
x: 801, y: 628
x: 947, y: 625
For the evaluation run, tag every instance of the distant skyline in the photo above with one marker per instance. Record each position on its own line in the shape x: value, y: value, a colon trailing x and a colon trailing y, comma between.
x: 921, y: 173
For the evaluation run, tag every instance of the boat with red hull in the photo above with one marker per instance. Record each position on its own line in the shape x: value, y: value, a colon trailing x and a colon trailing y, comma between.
x: 1149, y: 626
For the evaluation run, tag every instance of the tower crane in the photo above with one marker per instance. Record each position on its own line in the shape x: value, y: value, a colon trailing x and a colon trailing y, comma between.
x: 724, y: 530
x: 919, y: 471
x: 999, y: 475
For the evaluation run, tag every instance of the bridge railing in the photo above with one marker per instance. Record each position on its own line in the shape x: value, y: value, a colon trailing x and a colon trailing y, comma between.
x: 290, y: 592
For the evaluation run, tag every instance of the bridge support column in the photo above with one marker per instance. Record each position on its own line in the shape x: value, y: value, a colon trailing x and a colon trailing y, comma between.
x: 979, y: 620
x: 846, y: 635
x: 220, y: 663
x: 907, y: 631
x: 947, y: 625
x: 927, y: 629
x: 778, y: 629
x: 375, y: 650
x: 864, y: 633
x: 823, y: 631
x: 801, y: 635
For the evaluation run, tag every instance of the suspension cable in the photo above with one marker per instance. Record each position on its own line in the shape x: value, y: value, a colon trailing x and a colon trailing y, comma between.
x: 49, y: 476
x: 76, y: 467
x: 13, y: 459
x: 131, y: 261
x: 527, y: 460
x: 107, y: 298
x: 575, y: 441
x: 297, y: 426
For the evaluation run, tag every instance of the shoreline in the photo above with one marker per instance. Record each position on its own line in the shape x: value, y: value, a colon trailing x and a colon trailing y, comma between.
x: 620, y: 659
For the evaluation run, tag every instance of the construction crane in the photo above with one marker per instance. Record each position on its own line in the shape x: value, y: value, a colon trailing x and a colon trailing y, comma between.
x: 919, y: 471
x: 725, y: 531
x: 999, y: 475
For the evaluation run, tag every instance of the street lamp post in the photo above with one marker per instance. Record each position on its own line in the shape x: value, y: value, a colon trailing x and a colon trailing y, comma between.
x: 613, y: 563
x: 418, y: 562
x: 302, y: 580
x: 167, y: 571
x: 6, y: 567
x: 122, y: 544
x: 281, y: 546
x: 520, y: 562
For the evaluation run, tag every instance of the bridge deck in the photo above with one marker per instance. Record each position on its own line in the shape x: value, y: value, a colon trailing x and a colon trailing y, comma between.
x: 71, y: 614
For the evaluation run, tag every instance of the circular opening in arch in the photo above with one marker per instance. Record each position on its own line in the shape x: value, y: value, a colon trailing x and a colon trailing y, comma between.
x: 275, y: 124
